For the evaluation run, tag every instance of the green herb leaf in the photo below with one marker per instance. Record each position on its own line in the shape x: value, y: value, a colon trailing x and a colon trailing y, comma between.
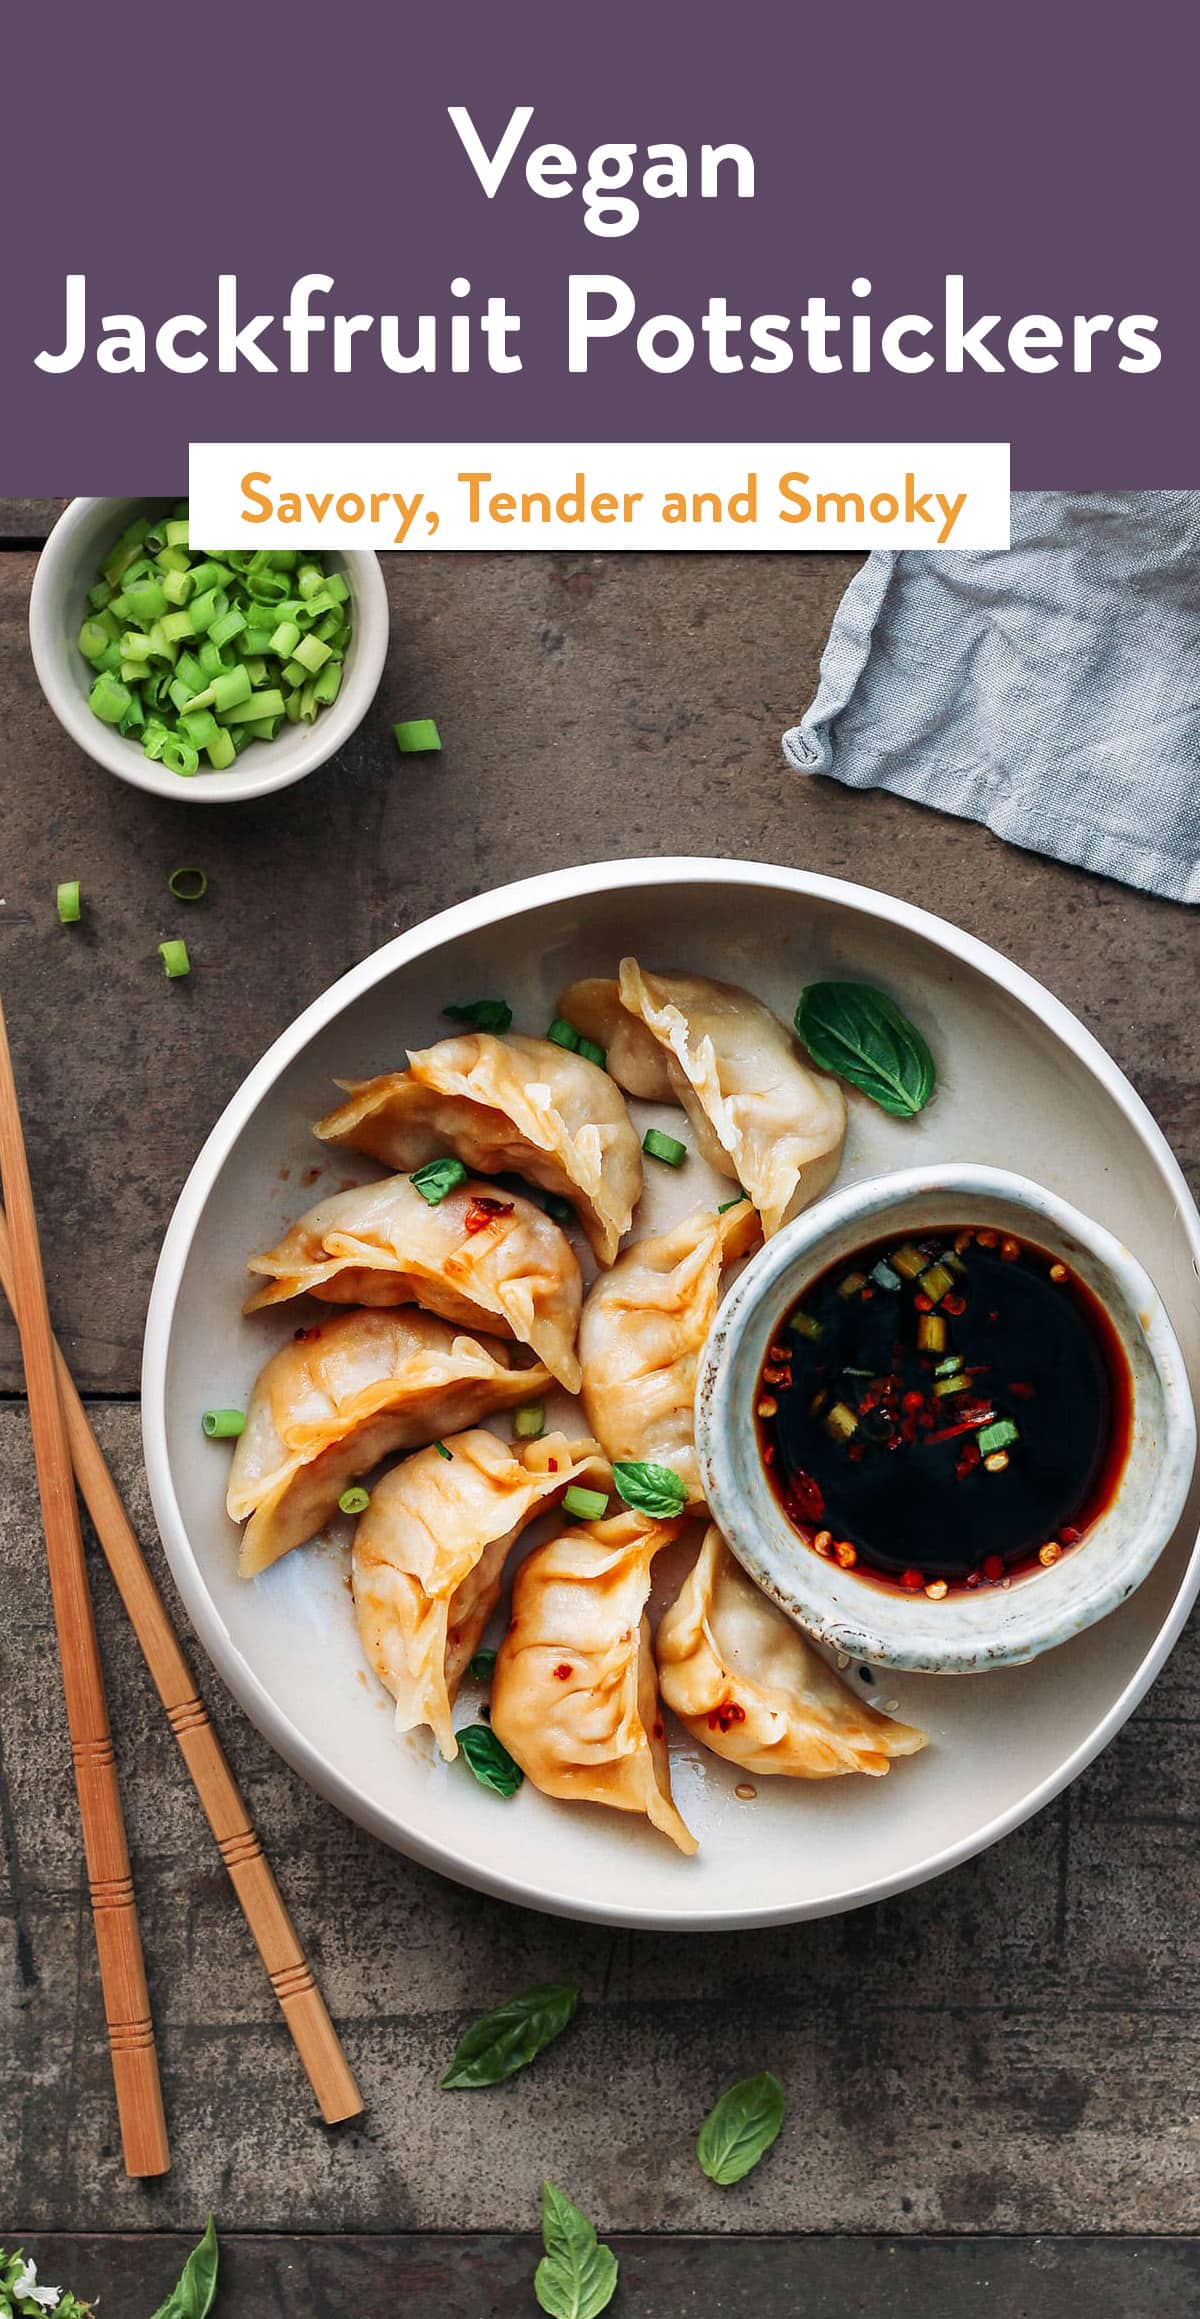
x: 490, y: 1761
x: 438, y: 1178
x: 193, y: 2297
x: 854, y: 1030
x: 577, y: 2277
x: 482, y: 1667
x: 483, y: 1014
x: 650, y: 1489
x: 740, y: 2128
x: 508, y: 2039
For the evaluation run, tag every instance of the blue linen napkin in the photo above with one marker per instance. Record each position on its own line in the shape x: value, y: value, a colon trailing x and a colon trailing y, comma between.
x: 1051, y: 691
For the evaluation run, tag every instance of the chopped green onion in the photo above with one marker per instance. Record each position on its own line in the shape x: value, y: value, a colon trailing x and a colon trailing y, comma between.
x: 804, y: 1325
x: 415, y: 736
x: 529, y: 1421
x: 931, y: 1333
x: 852, y: 1283
x: 223, y: 1424
x: 588, y: 1505
x: 354, y: 1501
x: 68, y: 903
x: 736, y: 1202
x: 998, y: 1436
x: 950, y: 1367
x: 175, y: 959
x: 563, y: 1034
x: 943, y: 1386
x: 908, y: 1260
x: 935, y: 1282
x: 884, y: 1277
x: 442, y: 1451
x: 438, y: 1178
x: 183, y: 635
x: 591, y: 1053
x: 664, y: 1147
x: 840, y: 1422
x: 483, y: 1014
x: 188, y: 885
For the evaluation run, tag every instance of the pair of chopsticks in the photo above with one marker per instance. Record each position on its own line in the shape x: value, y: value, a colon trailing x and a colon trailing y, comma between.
x: 63, y: 1440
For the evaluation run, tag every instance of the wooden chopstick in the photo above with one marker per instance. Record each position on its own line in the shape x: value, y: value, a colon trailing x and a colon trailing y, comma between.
x: 114, y: 1911
x: 303, y: 2006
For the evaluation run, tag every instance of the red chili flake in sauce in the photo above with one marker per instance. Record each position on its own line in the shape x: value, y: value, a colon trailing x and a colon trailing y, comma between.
x: 953, y: 1304
x: 483, y: 1212
x: 922, y: 1302
x: 808, y: 1495
x: 561, y: 1673
x: 552, y: 1465
x: 856, y: 1452
x: 913, y: 1401
x: 913, y: 1580
x: 1069, y: 1535
x: 993, y: 1568
x: 726, y: 1715
x: 1022, y: 1392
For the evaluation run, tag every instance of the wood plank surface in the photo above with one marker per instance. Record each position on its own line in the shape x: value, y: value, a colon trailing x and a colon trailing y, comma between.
x: 432, y: 2277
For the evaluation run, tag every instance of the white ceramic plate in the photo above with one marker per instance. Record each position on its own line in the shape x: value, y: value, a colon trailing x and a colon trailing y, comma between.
x: 1022, y: 1084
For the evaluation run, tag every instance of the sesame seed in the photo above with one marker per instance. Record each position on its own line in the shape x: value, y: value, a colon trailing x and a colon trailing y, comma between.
x: 997, y: 1462
x: 1058, y: 1272
x: 845, y: 1553
x: 937, y: 1590
x: 768, y: 1406
x: 1050, y: 1552
x: 824, y: 1541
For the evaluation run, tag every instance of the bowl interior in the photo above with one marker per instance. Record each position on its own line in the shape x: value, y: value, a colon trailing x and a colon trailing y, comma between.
x: 70, y: 564
x: 992, y: 1626
x: 1011, y: 1086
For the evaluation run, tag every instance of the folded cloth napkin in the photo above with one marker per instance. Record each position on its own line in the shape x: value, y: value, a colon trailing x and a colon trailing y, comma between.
x: 1051, y: 691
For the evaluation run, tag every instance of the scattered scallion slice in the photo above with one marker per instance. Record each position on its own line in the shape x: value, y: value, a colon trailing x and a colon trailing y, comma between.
x: 805, y: 1325
x: 950, y: 1367
x: 852, y: 1283
x: 943, y: 1386
x: 998, y: 1436
x: 416, y: 736
x: 563, y: 1034
x: 667, y: 1148
x: 176, y: 962
x: 483, y: 1014
x: 931, y: 1333
x: 223, y: 1424
x: 438, y: 1178
x: 188, y: 885
x: 67, y: 902
x: 935, y: 1282
x: 354, y: 1501
x: 884, y: 1277
x: 588, y: 1505
x: 529, y: 1421
x: 908, y: 1261
x: 442, y: 1451
x: 724, y: 1206
x: 591, y: 1053
x: 840, y: 1422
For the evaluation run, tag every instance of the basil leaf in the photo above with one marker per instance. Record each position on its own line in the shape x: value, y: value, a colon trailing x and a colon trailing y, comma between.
x: 576, y: 2278
x: 854, y: 1030
x: 482, y: 1667
x: 491, y: 1762
x: 740, y: 2128
x: 437, y: 1178
x: 508, y: 2039
x: 192, y: 2296
x: 650, y: 1489
x: 483, y: 1014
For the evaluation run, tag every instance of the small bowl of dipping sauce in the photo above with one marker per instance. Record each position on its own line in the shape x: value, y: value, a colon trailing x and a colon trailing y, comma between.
x: 944, y: 1421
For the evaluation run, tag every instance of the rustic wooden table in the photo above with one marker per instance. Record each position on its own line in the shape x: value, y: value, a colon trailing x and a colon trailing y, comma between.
x: 993, y: 2080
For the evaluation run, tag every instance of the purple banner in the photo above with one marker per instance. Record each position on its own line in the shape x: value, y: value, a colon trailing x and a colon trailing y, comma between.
x: 1015, y: 188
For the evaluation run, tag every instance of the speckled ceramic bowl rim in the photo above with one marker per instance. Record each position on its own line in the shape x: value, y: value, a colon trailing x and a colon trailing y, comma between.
x: 496, y: 909
x: 963, y: 1633
x: 266, y: 765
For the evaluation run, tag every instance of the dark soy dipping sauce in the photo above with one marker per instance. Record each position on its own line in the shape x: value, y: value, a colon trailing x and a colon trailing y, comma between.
x: 879, y: 1471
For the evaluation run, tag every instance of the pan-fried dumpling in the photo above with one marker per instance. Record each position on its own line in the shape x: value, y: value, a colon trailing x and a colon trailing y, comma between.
x: 488, y: 1263
x: 645, y: 1324
x: 749, y: 1685
x: 511, y: 1106
x: 760, y: 1114
x: 574, y: 1696
x: 633, y: 1055
x: 429, y: 1555
x: 339, y: 1397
